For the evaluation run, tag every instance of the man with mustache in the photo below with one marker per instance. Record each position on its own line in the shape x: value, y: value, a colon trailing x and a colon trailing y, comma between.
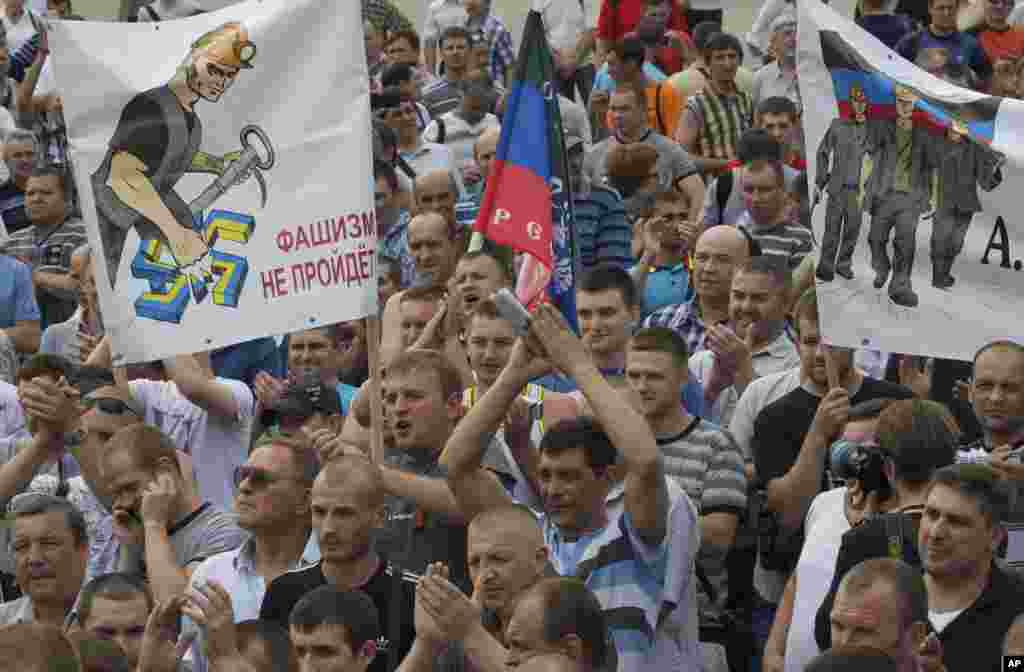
x: 163, y: 535
x: 997, y: 396
x: 50, y: 551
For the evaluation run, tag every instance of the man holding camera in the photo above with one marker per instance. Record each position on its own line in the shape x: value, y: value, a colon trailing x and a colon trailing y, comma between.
x: 915, y: 438
x: 997, y: 396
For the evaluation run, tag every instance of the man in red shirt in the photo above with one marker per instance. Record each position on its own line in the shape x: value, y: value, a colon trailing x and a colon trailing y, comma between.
x: 997, y: 37
x: 619, y: 17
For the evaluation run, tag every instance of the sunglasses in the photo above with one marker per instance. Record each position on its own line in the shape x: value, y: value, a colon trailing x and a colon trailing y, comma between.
x: 259, y: 478
x: 110, y: 406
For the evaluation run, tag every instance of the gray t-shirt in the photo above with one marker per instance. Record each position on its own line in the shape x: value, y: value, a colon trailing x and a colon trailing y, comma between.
x: 413, y: 538
x: 205, y: 532
x: 673, y: 162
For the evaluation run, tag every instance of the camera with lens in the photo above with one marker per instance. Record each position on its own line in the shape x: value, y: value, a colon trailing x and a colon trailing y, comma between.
x: 850, y: 460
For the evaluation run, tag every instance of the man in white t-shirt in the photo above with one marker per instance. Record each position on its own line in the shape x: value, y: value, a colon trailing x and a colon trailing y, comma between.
x: 207, y: 417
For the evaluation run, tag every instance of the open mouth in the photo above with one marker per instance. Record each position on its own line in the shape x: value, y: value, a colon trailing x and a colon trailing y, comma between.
x: 402, y: 426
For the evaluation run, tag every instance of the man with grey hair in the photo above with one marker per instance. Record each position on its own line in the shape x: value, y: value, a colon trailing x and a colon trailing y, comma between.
x: 76, y: 337
x: 50, y: 550
x: 778, y: 78
x: 19, y: 154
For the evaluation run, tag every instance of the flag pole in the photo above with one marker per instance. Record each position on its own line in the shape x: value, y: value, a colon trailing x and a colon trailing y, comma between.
x: 376, y: 407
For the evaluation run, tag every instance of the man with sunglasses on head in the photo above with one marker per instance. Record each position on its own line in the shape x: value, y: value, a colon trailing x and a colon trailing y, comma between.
x: 163, y: 534
x: 207, y: 417
x: 272, y: 500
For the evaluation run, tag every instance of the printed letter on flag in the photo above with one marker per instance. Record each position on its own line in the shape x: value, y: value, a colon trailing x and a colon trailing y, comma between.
x: 224, y: 170
x: 916, y: 182
x: 527, y: 204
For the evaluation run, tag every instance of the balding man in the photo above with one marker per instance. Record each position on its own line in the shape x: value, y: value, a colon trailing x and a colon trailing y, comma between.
x: 348, y: 505
x: 163, y: 535
x: 507, y: 557
x: 435, y: 252
x: 882, y: 603
x: 560, y: 616
x: 437, y: 191
x: 720, y: 250
x: 997, y: 396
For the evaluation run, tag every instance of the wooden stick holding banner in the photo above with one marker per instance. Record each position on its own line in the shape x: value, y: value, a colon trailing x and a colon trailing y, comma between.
x: 831, y: 370
x: 376, y: 405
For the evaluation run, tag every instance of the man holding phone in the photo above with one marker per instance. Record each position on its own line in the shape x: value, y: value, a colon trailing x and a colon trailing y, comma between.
x: 78, y: 336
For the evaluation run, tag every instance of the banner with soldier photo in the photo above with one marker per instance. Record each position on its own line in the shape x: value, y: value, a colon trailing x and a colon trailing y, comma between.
x: 224, y: 168
x: 915, y: 186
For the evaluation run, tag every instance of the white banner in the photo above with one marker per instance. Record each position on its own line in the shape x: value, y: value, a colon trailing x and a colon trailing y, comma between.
x: 224, y: 167
x: 919, y: 244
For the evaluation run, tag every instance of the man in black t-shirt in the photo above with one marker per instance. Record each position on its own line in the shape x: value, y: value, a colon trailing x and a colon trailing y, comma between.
x: 348, y: 504
x: 792, y: 436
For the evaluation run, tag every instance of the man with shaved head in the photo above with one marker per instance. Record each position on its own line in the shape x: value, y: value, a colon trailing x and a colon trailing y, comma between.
x: 720, y: 250
x: 348, y: 505
x: 507, y: 558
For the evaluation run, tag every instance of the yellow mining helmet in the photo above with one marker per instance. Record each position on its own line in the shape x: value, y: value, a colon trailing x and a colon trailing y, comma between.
x: 228, y: 45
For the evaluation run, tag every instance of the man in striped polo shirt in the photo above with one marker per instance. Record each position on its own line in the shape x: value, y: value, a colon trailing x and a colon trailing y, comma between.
x: 764, y: 191
x: 715, y: 118
x: 703, y: 459
x: 622, y: 559
x: 47, y: 245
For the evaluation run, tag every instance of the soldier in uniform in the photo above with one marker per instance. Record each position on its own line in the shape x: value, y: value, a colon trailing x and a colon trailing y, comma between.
x: 962, y: 166
x: 845, y: 143
x: 156, y: 142
x: 897, y: 192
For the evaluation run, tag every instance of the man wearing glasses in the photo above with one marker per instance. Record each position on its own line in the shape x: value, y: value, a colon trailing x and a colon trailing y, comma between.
x: 163, y: 534
x: 272, y: 501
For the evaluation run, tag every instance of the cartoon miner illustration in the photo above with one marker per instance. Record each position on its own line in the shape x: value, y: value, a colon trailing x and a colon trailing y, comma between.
x: 897, y: 192
x: 962, y: 166
x: 157, y: 141
x: 845, y: 142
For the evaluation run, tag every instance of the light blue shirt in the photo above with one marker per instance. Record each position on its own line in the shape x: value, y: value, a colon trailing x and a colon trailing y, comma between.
x: 17, y: 295
x: 665, y: 286
x: 235, y: 570
x: 604, y: 82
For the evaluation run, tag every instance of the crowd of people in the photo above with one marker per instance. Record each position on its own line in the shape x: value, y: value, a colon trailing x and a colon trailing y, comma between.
x: 692, y: 479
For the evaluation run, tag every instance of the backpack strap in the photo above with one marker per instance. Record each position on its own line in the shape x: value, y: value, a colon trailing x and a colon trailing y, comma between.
x: 657, y: 110
x: 442, y: 131
x: 723, y: 189
x: 153, y: 16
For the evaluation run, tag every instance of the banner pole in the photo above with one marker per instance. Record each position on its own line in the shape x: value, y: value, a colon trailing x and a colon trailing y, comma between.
x: 376, y: 407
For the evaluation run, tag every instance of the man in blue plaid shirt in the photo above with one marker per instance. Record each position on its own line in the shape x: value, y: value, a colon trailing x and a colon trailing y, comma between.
x: 489, y: 32
x: 720, y: 250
